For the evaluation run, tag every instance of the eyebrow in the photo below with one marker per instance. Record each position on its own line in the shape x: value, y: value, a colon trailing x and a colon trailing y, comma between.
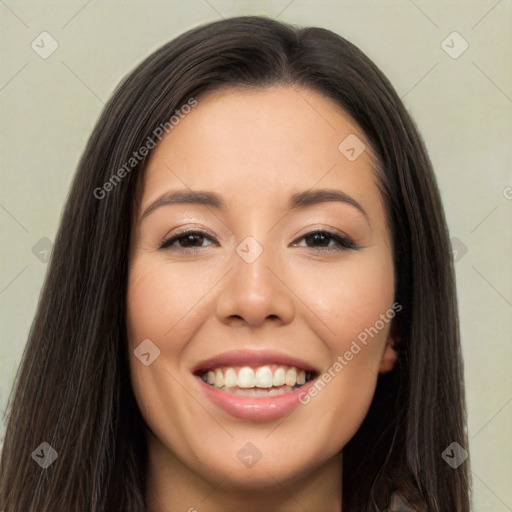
x: 297, y: 201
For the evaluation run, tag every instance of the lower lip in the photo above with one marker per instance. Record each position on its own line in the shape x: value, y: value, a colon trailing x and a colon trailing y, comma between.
x: 259, y: 409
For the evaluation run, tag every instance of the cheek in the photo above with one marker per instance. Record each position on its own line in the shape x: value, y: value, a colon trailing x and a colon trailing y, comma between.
x: 148, y: 302
x: 355, y: 303
x: 349, y: 298
x: 163, y: 303
x: 157, y: 302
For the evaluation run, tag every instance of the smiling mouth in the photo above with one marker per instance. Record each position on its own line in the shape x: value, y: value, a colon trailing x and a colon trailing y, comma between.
x: 261, y: 381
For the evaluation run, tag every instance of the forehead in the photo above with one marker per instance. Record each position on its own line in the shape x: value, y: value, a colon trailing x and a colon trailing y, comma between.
x: 261, y: 144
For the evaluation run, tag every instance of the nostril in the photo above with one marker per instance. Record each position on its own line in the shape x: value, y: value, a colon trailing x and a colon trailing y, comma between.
x: 234, y: 320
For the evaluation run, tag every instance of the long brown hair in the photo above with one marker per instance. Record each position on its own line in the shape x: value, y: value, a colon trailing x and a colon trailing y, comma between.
x: 73, y: 389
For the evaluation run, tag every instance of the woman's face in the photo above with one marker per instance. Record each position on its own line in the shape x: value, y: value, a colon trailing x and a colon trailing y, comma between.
x: 268, y: 327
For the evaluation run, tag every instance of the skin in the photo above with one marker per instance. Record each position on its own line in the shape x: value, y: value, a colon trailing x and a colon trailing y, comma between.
x: 256, y: 148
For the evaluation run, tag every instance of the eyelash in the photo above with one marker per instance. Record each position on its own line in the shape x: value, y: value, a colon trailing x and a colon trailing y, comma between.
x: 343, y: 242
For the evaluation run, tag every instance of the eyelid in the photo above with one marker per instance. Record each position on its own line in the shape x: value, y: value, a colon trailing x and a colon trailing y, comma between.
x: 174, y: 236
x: 315, y: 228
x: 342, y: 240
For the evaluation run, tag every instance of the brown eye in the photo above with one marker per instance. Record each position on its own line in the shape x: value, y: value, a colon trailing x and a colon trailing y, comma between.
x: 191, y: 240
x: 186, y: 240
x: 320, y: 237
x: 322, y: 240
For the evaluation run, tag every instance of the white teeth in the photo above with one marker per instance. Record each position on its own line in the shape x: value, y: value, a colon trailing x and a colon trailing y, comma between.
x: 279, y: 377
x: 219, y: 378
x: 263, y: 377
x: 246, y: 378
x: 291, y: 377
x: 230, y: 378
x: 258, y: 393
x: 251, y: 393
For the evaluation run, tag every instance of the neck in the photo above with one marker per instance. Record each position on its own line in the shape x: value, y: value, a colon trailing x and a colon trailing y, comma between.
x: 173, y: 487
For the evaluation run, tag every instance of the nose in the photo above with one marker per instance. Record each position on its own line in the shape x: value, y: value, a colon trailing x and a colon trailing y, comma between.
x: 255, y: 292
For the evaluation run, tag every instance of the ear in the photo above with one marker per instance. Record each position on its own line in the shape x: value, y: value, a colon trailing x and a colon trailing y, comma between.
x: 388, y: 361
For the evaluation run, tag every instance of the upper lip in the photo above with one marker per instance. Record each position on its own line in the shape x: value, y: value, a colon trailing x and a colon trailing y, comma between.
x: 252, y: 358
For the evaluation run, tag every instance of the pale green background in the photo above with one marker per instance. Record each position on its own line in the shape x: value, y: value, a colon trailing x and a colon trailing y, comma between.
x: 462, y: 106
